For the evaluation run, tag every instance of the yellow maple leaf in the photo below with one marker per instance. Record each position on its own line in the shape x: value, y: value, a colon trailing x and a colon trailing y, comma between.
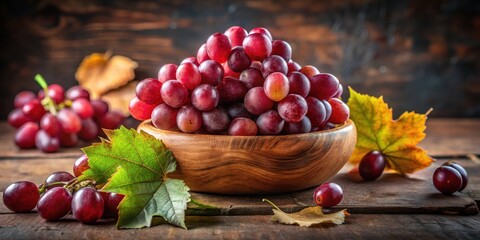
x: 396, y: 139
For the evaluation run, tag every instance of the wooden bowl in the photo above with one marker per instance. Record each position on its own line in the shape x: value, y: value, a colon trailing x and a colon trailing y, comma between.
x: 257, y: 164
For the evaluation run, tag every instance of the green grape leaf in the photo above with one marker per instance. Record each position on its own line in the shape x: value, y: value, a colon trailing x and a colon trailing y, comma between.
x: 136, y: 165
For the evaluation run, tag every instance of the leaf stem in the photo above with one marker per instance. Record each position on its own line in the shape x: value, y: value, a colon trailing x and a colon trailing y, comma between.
x: 271, y: 203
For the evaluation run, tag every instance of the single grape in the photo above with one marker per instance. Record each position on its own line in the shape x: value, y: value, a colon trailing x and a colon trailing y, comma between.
x: 189, y: 119
x: 202, y: 54
x: 323, y: 86
x: 276, y: 86
x: 238, y: 59
x: 190, y: 60
x: 238, y: 110
x: 25, y: 135
x: 77, y: 92
x: 205, y: 97
x: 257, y: 65
x: 174, y: 94
x: 236, y: 35
x: 54, y: 204
x: 231, y: 90
x: 261, y: 30
x: 340, y: 111
x: 252, y: 78
x: 293, y: 66
x: 292, y: 108
x: 303, y: 126
x: 80, y: 165
x: 241, y: 126
x: 328, y: 195
x: 164, y: 117
x: 309, y: 71
x: 372, y: 165
x: 282, y: 49
x: 299, y: 83
x: 23, y: 98
x: 112, y: 120
x: 89, y: 130
x: 69, y: 121
x: 339, y: 91
x: 215, y: 121
x: 228, y: 72
x: 17, y: 118
x: 273, y: 64
x: 106, y: 212
x: 460, y: 170
x: 140, y: 110
x: 46, y: 143
x: 21, y: 196
x: 83, y: 108
x: 270, y: 123
x: 34, y: 109
x: 100, y: 107
x: 328, y: 109
x: 211, y: 72
x: 257, y: 46
x: 60, y: 176
x: 87, y: 205
x: 50, y: 124
x: 316, y: 112
x: 114, y: 200
x: 447, y: 180
x: 148, y: 91
x: 218, y: 47
x: 56, y: 93
x: 188, y: 75
x: 167, y: 72
x: 256, y: 101
x: 68, y: 139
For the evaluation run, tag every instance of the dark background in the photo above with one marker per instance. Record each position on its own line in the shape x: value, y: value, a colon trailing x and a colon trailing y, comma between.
x: 417, y: 54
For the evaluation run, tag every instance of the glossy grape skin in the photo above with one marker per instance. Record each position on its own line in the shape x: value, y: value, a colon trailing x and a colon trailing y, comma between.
x: 17, y: 118
x: 316, y: 112
x: 273, y: 64
x: 21, y: 196
x: 148, y: 91
x: 340, y: 111
x: 56, y: 93
x: 238, y: 110
x: 238, y: 59
x: 60, y: 176
x: 80, y: 165
x: 89, y: 130
x: 54, y: 204
x: 83, y: 108
x: 303, y: 126
x: 236, y: 35
x: 372, y: 165
x: 328, y: 195
x: 270, y: 123
x: 218, y: 47
x: 460, y: 170
x: 299, y: 83
x: 205, y: 97
x: 100, y: 107
x: 111, y: 120
x: 216, y: 121
x: 164, y: 117
x: 241, y: 126
x: 261, y: 30
x: 167, y: 72
x: 114, y: 200
x: 189, y: 119
x: 309, y: 71
x: 68, y: 139
x: 34, y: 109
x: 339, y: 92
x: 46, y: 143
x: 228, y: 72
x: 276, y: 86
x: 324, y: 86
x: 77, y: 92
x: 174, y: 94
x: 140, y: 110
x: 211, y: 72
x: 231, y: 90
x: 25, y: 135
x: 202, y: 54
x: 189, y: 75
x: 328, y: 109
x: 447, y: 180
x: 293, y: 66
x: 69, y: 121
x: 257, y: 46
x: 257, y: 65
x: 87, y: 205
x: 252, y: 78
x: 190, y: 60
x: 50, y: 124
x: 292, y: 108
x: 282, y: 49
x: 23, y: 98
x: 257, y: 102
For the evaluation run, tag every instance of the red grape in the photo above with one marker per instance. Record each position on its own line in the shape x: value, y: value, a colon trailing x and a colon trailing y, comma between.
x: 148, y: 91
x: 188, y: 75
x: 25, y: 135
x: 238, y: 59
x: 164, y: 117
x: 299, y: 83
x: 372, y: 165
x: 309, y: 71
x: 80, y: 165
x: 238, y: 110
x: 216, y: 121
x: 282, y: 49
x: 211, y: 72
x: 460, y: 170
x: 256, y: 101
x: 23, y: 98
x: 190, y: 60
x: 236, y: 35
x: 257, y: 46
x: 328, y: 109
x: 17, y: 118
x: 114, y: 200
x: 273, y: 64
x: 50, y: 124
x: 87, y: 205
x: 202, y: 54
x: 140, y: 110
x: 293, y: 66
x: 270, y: 123
x: 262, y: 31
x: 189, y: 119
x: 46, y: 143
x: 252, y: 78
x: 340, y: 111
x: 303, y: 126
x: 21, y: 196
x: 257, y: 65
x: 276, y: 86
x: 231, y: 90
x: 228, y: 72
x: 174, y: 94
x: 242, y: 127
x: 292, y: 108
x: 218, y: 47
x: 89, y: 130
x: 328, y: 195
x: 54, y: 204
x: 34, y: 109
x: 60, y: 176
x: 77, y: 92
x: 56, y: 93
x: 205, y: 97
x: 83, y: 108
x: 316, y: 112
x: 112, y: 120
x: 100, y: 107
x: 68, y: 139
x: 167, y: 72
x: 69, y: 121
x: 323, y: 86
x: 447, y: 180
x: 339, y: 91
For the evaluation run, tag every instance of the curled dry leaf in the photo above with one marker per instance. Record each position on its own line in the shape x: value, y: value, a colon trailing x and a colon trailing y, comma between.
x: 308, y: 216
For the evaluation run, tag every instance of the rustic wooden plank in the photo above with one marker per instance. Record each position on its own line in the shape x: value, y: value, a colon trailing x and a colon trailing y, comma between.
x: 358, y: 226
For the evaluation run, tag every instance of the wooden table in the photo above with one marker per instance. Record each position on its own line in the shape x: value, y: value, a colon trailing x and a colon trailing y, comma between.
x: 392, y: 207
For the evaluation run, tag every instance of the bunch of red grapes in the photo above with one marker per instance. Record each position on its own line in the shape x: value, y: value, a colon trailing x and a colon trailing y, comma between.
x: 62, y: 193
x: 53, y: 118
x: 241, y: 83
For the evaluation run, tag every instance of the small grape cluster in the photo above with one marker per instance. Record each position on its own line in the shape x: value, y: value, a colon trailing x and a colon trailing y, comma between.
x: 54, y: 118
x: 244, y: 84
x: 54, y: 198
x: 450, y: 177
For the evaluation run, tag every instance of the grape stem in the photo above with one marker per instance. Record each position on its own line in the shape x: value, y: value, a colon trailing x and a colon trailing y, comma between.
x: 271, y: 203
x: 46, y: 101
x: 43, y: 187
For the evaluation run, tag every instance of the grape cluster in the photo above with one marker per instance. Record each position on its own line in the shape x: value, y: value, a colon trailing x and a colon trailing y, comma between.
x: 450, y: 177
x: 53, y: 118
x: 54, y: 198
x: 241, y: 83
